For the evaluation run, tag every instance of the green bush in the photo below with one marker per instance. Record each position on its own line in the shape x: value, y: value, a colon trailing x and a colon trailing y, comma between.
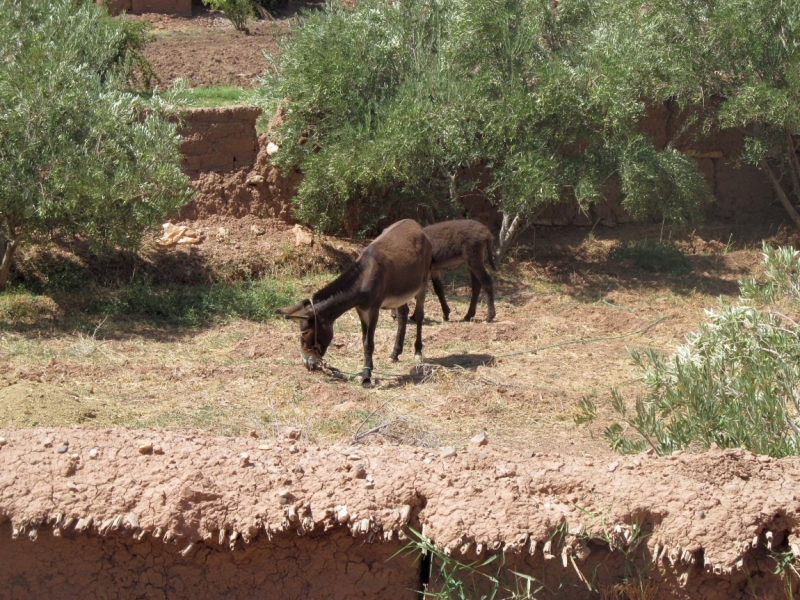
x: 735, y: 382
x: 79, y: 153
x: 653, y: 256
x: 238, y: 11
x: 396, y: 108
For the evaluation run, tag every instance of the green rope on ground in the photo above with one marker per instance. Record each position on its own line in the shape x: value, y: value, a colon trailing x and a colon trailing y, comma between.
x: 337, y: 374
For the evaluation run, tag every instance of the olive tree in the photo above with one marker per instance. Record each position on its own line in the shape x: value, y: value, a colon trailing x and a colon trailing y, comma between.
x: 78, y: 152
x: 394, y: 108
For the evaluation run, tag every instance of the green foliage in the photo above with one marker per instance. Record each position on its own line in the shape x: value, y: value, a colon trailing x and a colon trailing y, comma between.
x: 78, y: 153
x: 238, y: 11
x: 734, y: 384
x: 654, y: 256
x: 452, y: 579
x: 736, y: 64
x: 395, y: 107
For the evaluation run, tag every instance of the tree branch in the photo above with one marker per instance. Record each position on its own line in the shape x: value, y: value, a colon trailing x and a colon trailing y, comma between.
x: 781, y: 194
x: 794, y: 164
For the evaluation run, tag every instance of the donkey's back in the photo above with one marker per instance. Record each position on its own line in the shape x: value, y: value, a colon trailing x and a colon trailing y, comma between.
x: 396, y: 265
x: 455, y: 242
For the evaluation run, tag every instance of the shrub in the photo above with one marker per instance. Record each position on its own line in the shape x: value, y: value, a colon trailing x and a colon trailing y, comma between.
x: 238, y: 11
x: 397, y: 108
x: 79, y: 153
x: 653, y: 256
x: 735, y: 382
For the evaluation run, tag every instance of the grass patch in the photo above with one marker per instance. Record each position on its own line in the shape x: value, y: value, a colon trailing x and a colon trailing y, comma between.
x: 173, y: 305
x: 653, y: 256
x: 207, y: 97
x: 219, y: 95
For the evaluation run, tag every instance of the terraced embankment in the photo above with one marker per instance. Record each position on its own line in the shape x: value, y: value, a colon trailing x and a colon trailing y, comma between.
x: 140, y: 514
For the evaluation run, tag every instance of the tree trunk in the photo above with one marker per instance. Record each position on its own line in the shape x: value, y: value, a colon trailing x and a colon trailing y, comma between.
x: 8, y: 257
x: 509, y: 232
x: 511, y: 229
x: 781, y: 193
x: 794, y: 164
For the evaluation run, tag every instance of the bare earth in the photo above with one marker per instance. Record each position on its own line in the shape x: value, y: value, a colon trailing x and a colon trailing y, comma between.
x: 206, y: 50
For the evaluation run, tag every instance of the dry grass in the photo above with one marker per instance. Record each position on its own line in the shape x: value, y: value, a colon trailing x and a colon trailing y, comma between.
x: 243, y: 376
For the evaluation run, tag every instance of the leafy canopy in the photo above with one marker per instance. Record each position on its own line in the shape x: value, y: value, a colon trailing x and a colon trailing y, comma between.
x: 78, y: 152
x: 394, y: 107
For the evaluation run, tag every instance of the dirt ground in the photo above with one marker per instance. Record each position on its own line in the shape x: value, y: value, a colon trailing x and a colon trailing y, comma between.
x: 559, y: 295
x: 206, y: 50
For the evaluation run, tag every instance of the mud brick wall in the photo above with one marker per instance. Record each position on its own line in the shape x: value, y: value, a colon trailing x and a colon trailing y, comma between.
x: 138, y: 7
x: 230, y: 167
x: 741, y: 192
x: 169, y: 7
x: 155, y: 514
x: 219, y: 140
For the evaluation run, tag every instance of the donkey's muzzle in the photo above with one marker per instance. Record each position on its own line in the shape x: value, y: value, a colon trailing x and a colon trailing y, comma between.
x: 311, y: 360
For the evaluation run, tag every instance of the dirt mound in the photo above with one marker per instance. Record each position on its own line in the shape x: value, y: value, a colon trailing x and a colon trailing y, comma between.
x: 148, y: 514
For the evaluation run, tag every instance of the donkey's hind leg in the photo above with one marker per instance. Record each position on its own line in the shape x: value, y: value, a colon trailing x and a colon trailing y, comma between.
x: 419, y: 316
x: 438, y: 287
x: 486, y: 282
x: 476, y: 291
x: 480, y: 279
x: 402, y: 318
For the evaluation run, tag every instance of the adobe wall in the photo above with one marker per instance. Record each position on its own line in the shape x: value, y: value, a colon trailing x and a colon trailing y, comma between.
x: 138, y: 7
x: 154, y: 514
x: 229, y: 166
x: 219, y: 139
x: 741, y: 192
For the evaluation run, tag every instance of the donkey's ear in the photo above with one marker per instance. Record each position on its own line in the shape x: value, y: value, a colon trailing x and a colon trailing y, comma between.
x: 298, y: 311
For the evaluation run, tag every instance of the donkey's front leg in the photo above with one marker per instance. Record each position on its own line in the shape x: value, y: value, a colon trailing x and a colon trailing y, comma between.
x: 419, y: 315
x: 369, y: 322
x: 402, y: 319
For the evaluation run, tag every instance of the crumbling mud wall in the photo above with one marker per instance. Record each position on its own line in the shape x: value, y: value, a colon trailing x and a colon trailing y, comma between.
x: 140, y: 514
x: 230, y: 167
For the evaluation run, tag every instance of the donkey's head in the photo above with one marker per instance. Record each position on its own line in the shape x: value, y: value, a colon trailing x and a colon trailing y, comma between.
x: 316, y: 332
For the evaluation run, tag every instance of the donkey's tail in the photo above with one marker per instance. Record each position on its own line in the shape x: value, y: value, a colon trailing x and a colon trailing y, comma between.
x: 490, y: 252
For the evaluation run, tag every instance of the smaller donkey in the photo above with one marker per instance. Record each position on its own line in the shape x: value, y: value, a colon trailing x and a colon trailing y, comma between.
x: 463, y: 241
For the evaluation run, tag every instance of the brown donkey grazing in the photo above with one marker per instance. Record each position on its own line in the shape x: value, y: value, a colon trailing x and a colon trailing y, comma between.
x: 388, y: 274
x: 456, y: 242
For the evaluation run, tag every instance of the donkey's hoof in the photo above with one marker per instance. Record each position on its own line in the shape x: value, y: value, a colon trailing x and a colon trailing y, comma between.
x: 445, y: 317
x: 418, y: 358
x: 393, y: 359
x: 468, y: 318
x: 366, y: 382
